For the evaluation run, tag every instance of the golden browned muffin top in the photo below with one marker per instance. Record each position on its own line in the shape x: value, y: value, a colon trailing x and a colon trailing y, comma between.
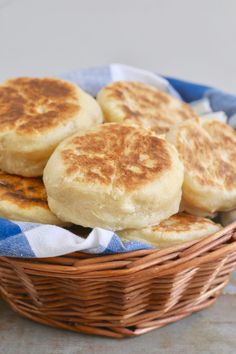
x: 208, y: 150
x: 118, y: 155
x: 31, y: 105
x: 144, y: 105
x: 22, y: 191
x: 182, y: 222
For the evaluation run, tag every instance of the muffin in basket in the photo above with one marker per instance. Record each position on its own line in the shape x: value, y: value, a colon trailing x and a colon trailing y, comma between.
x: 207, y: 150
x: 25, y: 199
x: 177, y: 229
x: 137, y: 103
x: 36, y: 114
x: 115, y: 176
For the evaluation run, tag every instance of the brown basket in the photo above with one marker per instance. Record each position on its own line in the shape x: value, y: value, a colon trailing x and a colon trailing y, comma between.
x: 120, y: 295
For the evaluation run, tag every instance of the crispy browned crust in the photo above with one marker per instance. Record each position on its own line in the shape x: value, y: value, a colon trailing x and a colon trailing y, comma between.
x: 209, y: 153
x: 118, y: 155
x: 182, y: 222
x: 148, y: 106
x: 36, y: 104
x: 24, y: 192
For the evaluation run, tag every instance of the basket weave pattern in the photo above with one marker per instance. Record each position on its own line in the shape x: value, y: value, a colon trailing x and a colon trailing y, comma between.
x: 120, y: 295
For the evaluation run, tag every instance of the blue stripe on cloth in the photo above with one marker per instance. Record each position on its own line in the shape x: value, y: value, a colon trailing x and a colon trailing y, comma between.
x: 188, y: 90
x: 135, y: 245
x: 8, y: 229
x: 221, y: 101
x: 117, y: 246
x: 15, y: 246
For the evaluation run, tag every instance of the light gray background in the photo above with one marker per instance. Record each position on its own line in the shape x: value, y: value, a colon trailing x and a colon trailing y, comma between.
x: 191, y: 39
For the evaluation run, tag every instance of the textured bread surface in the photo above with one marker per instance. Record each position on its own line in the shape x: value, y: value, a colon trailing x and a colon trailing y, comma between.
x: 207, y: 150
x: 25, y: 199
x: 135, y: 102
x: 114, y: 176
x: 177, y: 229
x: 36, y: 114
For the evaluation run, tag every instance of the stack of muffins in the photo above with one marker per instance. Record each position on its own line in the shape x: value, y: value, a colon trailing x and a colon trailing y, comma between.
x: 153, y: 172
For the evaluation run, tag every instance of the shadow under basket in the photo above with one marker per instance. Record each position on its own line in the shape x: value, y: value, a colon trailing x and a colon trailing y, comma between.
x: 120, y: 295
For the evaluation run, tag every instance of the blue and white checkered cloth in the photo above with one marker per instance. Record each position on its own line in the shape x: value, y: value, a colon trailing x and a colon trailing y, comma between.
x: 22, y: 239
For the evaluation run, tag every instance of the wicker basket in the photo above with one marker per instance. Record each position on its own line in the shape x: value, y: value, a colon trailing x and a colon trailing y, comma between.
x: 120, y: 295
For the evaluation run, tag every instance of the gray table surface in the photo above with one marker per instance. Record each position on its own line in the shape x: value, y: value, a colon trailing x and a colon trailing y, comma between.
x: 191, y: 39
x: 210, y: 331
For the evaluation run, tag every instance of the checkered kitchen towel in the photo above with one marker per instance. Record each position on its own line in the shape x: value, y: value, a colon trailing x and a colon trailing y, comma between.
x: 22, y: 239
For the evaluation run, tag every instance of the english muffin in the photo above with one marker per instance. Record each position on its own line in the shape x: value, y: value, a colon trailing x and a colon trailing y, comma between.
x: 207, y: 150
x: 115, y: 176
x: 135, y: 102
x: 25, y: 199
x: 36, y: 114
x: 177, y: 229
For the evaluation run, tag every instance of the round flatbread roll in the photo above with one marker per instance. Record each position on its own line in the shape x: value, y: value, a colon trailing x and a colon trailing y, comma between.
x: 228, y: 217
x: 175, y: 230
x: 135, y: 102
x: 36, y: 114
x: 25, y: 199
x: 114, y: 176
x: 208, y: 152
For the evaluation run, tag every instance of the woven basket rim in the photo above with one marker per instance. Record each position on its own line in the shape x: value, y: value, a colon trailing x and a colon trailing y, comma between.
x: 193, y: 253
